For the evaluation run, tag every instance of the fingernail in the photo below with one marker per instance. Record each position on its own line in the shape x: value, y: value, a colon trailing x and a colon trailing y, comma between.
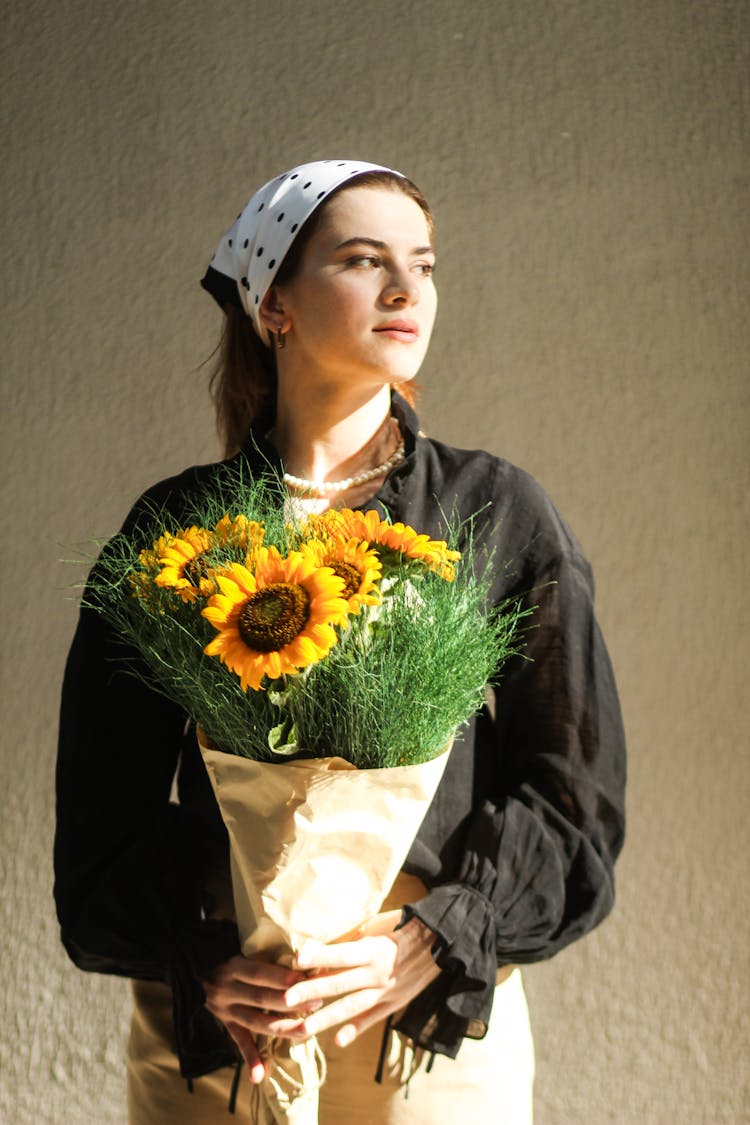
x: 345, y: 1036
x: 304, y: 958
x: 308, y: 955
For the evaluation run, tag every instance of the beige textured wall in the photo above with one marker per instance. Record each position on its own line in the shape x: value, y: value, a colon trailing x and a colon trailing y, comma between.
x: 588, y: 165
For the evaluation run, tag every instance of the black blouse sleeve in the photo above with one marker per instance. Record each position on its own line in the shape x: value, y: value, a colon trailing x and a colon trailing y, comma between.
x: 128, y: 862
x: 537, y: 865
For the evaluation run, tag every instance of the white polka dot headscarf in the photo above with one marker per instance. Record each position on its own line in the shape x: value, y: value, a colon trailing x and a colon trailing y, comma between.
x: 250, y: 253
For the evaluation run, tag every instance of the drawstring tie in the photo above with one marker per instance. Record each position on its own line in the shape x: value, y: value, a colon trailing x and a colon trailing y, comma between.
x: 281, y: 1089
x: 286, y: 1088
x: 384, y: 1044
x: 320, y: 1059
x: 232, y: 1107
x: 235, y: 1086
x: 383, y: 1049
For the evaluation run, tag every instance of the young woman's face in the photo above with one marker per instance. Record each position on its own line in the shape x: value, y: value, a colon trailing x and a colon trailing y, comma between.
x: 362, y: 303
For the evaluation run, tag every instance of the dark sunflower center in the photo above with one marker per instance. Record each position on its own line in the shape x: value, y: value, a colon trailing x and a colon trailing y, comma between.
x: 274, y: 616
x: 195, y: 569
x: 352, y: 578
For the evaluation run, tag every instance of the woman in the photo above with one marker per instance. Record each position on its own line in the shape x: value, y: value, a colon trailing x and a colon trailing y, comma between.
x: 326, y: 284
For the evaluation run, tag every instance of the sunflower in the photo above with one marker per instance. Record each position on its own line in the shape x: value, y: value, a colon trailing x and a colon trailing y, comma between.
x: 355, y: 563
x: 240, y: 532
x: 323, y: 525
x: 142, y: 581
x: 149, y: 557
x: 368, y: 526
x: 184, y: 565
x: 276, y: 619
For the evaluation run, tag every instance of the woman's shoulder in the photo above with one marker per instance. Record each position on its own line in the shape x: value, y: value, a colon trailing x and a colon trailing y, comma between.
x: 175, y: 495
x: 491, y: 469
x: 509, y: 497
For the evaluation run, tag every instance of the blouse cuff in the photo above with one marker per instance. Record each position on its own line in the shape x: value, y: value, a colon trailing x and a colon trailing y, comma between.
x: 201, y: 1042
x: 460, y: 999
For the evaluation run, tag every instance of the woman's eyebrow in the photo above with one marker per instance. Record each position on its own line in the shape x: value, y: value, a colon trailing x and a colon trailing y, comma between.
x: 358, y: 240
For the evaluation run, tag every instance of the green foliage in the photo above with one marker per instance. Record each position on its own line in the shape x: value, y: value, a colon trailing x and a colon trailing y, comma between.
x: 395, y: 692
x: 403, y: 677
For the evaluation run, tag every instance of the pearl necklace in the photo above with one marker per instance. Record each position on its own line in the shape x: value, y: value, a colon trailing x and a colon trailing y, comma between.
x: 321, y: 489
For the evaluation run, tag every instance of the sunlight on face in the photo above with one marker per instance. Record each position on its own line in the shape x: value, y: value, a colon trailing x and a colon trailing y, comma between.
x: 362, y: 303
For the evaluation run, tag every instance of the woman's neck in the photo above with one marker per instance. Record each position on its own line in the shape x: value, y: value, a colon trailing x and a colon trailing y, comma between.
x: 327, y: 437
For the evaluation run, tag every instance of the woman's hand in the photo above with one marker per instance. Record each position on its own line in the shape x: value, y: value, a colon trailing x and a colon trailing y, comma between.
x: 365, y: 979
x: 249, y: 997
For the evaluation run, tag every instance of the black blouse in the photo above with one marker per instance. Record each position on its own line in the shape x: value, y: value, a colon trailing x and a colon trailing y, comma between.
x: 517, y: 848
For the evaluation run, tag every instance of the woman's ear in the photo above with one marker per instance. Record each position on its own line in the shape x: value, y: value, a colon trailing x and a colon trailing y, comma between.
x: 272, y: 312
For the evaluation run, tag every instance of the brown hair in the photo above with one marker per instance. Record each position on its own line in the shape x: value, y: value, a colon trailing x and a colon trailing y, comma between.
x: 243, y: 377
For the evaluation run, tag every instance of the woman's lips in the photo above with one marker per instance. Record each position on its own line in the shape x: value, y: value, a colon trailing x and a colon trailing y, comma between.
x: 406, y: 330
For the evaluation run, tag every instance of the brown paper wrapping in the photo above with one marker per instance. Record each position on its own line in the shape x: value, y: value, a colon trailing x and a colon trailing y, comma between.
x: 315, y: 846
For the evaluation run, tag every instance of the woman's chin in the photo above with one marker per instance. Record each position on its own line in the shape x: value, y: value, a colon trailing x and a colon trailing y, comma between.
x: 397, y: 378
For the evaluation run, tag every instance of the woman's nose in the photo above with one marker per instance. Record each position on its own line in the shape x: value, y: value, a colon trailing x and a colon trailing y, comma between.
x: 401, y: 289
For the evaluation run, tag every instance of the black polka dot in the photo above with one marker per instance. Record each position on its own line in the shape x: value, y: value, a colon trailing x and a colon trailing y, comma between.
x: 294, y: 227
x: 272, y: 263
x: 230, y: 241
x: 306, y: 186
x: 321, y: 194
x: 279, y: 217
x: 341, y: 164
x: 245, y: 244
x: 245, y: 283
x: 261, y: 207
x: 294, y: 177
x: 354, y: 172
x: 257, y: 298
x: 259, y: 252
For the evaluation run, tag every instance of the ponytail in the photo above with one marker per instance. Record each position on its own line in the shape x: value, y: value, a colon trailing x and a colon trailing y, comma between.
x: 243, y: 379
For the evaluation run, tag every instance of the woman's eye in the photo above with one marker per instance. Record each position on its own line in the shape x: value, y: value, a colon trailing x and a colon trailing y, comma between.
x: 426, y: 269
x: 367, y: 261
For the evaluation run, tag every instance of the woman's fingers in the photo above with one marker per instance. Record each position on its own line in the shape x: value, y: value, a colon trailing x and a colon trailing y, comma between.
x: 364, y: 980
x: 352, y: 983
x: 248, y: 997
x: 343, y: 1010
x: 246, y: 1044
x: 345, y: 966
x: 260, y: 973
x: 240, y: 989
x: 316, y: 957
x: 349, y: 1030
x: 238, y: 995
x: 331, y: 985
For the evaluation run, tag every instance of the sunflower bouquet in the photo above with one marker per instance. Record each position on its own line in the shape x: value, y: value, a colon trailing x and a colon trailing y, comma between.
x: 342, y: 634
x: 328, y: 663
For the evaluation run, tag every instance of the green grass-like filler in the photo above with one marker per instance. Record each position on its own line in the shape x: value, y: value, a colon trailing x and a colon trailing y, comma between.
x: 423, y: 674
x: 404, y: 676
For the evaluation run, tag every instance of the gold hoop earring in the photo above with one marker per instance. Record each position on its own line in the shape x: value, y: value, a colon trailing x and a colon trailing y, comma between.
x: 280, y: 339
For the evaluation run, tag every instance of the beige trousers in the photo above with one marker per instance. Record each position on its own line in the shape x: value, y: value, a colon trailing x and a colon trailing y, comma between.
x: 490, y: 1081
